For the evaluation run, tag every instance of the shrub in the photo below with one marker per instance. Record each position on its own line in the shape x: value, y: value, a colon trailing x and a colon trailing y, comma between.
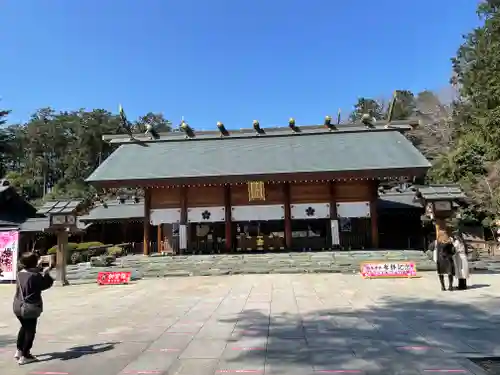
x: 87, y: 245
x: 71, y: 247
x: 116, y: 251
x: 76, y: 257
x: 102, y: 261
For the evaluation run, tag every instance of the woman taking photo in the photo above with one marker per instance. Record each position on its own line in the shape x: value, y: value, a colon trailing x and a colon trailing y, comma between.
x: 28, y: 304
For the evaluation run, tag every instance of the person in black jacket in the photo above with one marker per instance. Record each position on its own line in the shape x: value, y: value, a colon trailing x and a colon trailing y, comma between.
x: 31, y: 281
x: 445, y: 264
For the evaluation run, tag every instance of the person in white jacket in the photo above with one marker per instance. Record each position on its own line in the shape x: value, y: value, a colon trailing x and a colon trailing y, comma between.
x: 460, y: 260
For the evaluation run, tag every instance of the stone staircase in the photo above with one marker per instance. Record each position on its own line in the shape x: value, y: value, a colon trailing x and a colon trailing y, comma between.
x: 257, y: 263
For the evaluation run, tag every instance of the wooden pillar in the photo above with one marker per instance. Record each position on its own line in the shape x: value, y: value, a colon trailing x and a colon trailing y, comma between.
x: 184, y: 214
x: 374, y: 216
x: 288, y: 216
x: 147, y: 225
x: 62, y: 257
x: 334, y: 226
x: 159, y: 238
x: 228, y: 211
x: 333, y: 202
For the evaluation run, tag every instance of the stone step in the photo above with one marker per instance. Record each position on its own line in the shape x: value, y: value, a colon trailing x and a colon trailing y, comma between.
x: 286, y: 263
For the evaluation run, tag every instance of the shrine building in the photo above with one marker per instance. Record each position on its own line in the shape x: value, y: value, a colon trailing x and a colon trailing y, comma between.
x: 284, y: 188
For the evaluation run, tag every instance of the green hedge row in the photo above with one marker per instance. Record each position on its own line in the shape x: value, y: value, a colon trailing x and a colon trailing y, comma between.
x: 72, y: 246
x: 79, y: 252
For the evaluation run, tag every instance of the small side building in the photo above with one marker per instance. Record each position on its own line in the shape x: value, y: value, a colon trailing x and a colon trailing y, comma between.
x: 116, y: 221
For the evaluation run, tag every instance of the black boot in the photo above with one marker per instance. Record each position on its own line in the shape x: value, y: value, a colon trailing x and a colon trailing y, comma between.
x: 450, y: 282
x: 441, y: 280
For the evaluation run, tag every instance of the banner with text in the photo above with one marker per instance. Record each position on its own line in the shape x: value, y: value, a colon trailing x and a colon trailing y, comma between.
x: 371, y: 270
x: 9, y: 243
x: 113, y: 278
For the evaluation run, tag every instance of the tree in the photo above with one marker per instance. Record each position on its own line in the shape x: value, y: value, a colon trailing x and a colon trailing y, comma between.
x: 474, y: 154
x: 367, y: 106
x: 52, y: 154
x: 3, y: 140
x: 435, y: 134
x: 3, y: 114
x: 160, y: 124
x: 404, y: 107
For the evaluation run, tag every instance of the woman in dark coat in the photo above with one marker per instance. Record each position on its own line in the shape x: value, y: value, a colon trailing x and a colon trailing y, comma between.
x: 445, y: 265
x: 31, y: 282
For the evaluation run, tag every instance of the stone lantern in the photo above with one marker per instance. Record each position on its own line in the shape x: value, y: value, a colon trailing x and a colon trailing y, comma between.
x: 440, y: 202
x: 62, y: 221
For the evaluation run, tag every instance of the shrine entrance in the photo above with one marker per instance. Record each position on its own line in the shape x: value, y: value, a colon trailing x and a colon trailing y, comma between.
x: 311, y: 235
x: 207, y: 238
x: 259, y: 235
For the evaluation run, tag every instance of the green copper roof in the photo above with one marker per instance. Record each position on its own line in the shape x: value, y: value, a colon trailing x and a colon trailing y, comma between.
x: 304, y: 152
x: 59, y: 207
x: 115, y: 211
x: 442, y: 192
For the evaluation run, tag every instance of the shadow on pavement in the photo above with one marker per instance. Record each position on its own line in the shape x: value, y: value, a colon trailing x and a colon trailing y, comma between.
x: 77, y: 352
x: 6, y: 341
x: 427, y: 333
x: 478, y: 286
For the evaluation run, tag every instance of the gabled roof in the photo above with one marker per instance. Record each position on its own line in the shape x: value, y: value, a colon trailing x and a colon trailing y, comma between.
x: 115, y: 211
x: 14, y: 209
x: 441, y: 192
x: 40, y: 224
x: 59, y: 207
x: 384, y: 152
x: 394, y: 200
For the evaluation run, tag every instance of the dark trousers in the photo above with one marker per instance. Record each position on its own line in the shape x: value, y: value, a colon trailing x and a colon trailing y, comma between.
x: 26, y: 335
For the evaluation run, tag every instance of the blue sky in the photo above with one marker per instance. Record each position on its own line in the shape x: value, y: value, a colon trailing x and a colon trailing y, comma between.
x: 224, y: 60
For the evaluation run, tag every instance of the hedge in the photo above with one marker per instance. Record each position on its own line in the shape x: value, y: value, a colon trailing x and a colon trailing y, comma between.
x: 115, y: 251
x: 72, y: 246
x: 87, y: 245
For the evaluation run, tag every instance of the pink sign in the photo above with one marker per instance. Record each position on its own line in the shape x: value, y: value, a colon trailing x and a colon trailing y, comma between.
x: 388, y: 269
x: 9, y: 241
x: 113, y: 278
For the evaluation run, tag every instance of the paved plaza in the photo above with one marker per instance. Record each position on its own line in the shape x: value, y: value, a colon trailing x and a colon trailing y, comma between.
x: 260, y: 324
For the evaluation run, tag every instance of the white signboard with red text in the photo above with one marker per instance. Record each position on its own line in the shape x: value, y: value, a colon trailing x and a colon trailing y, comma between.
x: 9, y: 244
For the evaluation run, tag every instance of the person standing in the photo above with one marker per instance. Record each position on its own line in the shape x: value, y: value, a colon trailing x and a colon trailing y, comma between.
x: 444, y: 261
x: 460, y: 261
x: 28, y: 303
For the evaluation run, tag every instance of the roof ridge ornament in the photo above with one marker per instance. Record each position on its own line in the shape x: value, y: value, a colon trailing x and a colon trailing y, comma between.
x: 188, y: 130
x: 368, y: 120
x: 328, y: 123
x: 151, y: 131
x: 257, y: 128
x: 293, y: 126
x: 222, y: 129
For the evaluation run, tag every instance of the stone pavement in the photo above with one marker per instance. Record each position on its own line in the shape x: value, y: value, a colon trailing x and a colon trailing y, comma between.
x: 260, y: 324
